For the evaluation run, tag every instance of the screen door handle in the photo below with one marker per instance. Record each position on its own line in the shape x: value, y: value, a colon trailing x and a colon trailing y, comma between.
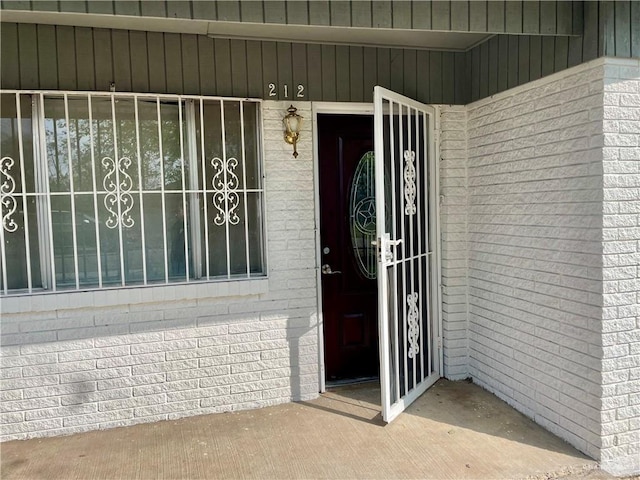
x: 384, y: 244
x: 389, y: 242
x: 326, y: 270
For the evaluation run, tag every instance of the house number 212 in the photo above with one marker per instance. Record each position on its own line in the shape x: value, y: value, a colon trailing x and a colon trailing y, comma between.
x: 273, y: 90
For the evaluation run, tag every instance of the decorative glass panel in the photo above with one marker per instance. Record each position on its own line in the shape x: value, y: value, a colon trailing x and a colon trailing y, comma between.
x: 363, y: 216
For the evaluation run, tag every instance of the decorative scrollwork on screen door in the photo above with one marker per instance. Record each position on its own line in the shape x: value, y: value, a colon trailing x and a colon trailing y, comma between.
x: 409, y: 182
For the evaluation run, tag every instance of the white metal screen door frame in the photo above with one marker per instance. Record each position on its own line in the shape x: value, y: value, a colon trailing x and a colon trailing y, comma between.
x: 408, y: 271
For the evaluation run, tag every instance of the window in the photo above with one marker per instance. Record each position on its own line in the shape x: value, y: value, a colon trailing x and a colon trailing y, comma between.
x: 100, y: 190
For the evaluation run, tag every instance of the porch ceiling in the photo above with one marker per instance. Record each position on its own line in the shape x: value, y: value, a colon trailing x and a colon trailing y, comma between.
x: 375, y: 37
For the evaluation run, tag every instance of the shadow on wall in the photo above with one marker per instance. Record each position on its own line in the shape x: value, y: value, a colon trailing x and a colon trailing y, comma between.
x: 148, y: 362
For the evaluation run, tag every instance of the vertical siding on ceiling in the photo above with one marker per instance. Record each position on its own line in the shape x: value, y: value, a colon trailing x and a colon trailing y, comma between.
x: 460, y: 16
x: 506, y: 61
x: 548, y: 17
x: 106, y: 7
x: 9, y: 54
x: 63, y: 57
x: 227, y: 11
x: 635, y: 29
x: 139, y: 64
x: 190, y: 66
x: 47, y: 56
x: 297, y: 13
x: 421, y: 15
x: 80, y: 58
x: 84, y: 58
x: 609, y: 28
x: 173, y: 60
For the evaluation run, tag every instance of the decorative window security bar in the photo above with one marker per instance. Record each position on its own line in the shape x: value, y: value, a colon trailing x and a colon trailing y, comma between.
x: 108, y: 190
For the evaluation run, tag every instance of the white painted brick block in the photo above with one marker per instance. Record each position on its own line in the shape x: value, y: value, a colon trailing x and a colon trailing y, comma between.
x: 516, y: 140
x: 146, y: 360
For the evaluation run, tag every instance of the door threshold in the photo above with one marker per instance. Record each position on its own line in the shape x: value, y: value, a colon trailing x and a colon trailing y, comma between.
x: 350, y: 381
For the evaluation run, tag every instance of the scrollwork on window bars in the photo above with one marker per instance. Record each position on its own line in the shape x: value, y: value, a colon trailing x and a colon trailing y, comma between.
x: 410, y: 182
x: 225, y: 184
x: 413, y: 331
x: 118, y: 200
x: 7, y: 198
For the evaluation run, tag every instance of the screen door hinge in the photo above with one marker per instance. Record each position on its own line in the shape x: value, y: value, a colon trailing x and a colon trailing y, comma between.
x: 439, y: 343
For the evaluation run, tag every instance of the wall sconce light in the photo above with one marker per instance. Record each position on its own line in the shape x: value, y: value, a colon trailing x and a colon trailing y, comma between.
x: 292, y: 124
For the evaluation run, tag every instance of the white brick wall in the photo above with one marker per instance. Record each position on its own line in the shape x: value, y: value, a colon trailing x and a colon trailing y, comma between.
x: 535, y: 223
x: 540, y: 220
x: 621, y: 271
x: 85, y: 360
x: 453, y: 228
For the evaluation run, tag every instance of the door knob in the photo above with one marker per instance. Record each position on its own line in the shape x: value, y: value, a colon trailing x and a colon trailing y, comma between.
x: 326, y: 270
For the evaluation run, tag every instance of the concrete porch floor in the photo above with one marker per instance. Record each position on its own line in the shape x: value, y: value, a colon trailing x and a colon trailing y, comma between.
x: 455, y: 430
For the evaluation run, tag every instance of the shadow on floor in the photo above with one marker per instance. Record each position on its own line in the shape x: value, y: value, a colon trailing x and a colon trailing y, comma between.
x: 460, y: 404
x: 455, y: 431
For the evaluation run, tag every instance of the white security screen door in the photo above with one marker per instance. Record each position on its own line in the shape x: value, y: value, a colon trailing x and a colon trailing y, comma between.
x: 408, y: 274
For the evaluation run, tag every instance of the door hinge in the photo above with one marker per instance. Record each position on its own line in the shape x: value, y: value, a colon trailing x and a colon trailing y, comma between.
x: 439, y: 343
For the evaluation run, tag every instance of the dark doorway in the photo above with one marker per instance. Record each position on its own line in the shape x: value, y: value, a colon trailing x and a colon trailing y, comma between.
x: 347, y: 226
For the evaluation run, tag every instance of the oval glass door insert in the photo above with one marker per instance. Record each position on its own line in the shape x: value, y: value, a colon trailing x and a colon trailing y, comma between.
x: 362, y: 206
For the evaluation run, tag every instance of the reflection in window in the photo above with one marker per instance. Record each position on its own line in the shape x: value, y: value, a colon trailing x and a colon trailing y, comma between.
x: 128, y: 190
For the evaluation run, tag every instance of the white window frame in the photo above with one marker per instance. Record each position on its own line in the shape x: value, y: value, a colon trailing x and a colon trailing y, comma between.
x: 190, y: 151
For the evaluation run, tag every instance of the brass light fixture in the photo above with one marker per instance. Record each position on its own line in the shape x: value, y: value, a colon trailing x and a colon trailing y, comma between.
x: 292, y: 124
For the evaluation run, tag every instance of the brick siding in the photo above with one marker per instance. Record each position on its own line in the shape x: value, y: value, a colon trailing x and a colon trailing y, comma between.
x: 540, y: 224
x: 535, y: 222
x: 621, y: 268
x: 81, y: 361
x: 453, y: 226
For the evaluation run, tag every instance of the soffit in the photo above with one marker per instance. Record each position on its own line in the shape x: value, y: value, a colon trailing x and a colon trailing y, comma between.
x: 375, y: 37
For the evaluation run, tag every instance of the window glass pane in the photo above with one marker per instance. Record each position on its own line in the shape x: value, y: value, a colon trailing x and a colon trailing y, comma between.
x: 233, y: 137
x: 56, y: 140
x: 256, y: 234
x: 86, y: 240
x: 154, y: 237
x: 14, y: 171
x: 178, y: 256
x: 16, y: 247
x: 238, y: 240
x: 109, y: 246
x: 217, y: 236
x: 209, y: 138
x: 81, y: 145
x: 10, y: 145
x: 251, y: 142
x: 132, y: 248
x: 61, y: 223
x: 149, y: 144
x: 102, y: 130
x: 112, y: 191
x: 127, y: 143
x: 172, y: 154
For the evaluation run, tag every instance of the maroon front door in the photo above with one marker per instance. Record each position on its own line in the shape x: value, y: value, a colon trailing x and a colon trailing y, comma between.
x: 347, y: 226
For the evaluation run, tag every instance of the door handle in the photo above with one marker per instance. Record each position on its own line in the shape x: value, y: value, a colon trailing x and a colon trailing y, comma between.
x: 326, y: 270
x: 384, y: 244
x: 395, y: 243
